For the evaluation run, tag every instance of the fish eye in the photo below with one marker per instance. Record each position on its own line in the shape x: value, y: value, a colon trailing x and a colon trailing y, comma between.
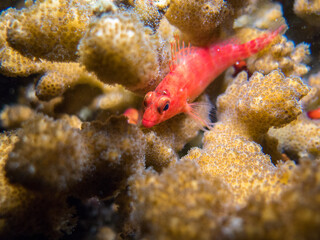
x: 163, y: 104
x: 147, y: 99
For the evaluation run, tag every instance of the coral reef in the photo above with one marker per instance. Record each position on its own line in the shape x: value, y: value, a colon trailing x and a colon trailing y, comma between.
x: 70, y: 163
x: 48, y: 214
x: 59, y: 24
x: 193, y: 212
x: 51, y: 145
x: 120, y: 50
x: 202, y: 21
x: 150, y: 12
x: 229, y: 161
x: 281, y: 55
x: 308, y: 10
x: 14, y: 116
x: 299, y: 139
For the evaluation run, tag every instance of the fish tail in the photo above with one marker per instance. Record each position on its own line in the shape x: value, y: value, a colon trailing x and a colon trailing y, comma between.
x: 258, y: 44
x: 228, y: 53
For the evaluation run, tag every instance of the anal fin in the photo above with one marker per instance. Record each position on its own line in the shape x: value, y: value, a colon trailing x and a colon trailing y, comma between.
x: 200, y: 112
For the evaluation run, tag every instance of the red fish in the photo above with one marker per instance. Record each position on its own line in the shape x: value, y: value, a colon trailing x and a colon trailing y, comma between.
x: 192, y: 69
x: 133, y: 115
x: 314, y: 114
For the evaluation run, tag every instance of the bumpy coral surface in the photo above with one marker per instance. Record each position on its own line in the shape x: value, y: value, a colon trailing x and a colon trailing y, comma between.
x: 48, y: 215
x: 299, y: 139
x: 60, y: 77
x: 281, y: 55
x: 59, y: 24
x: 271, y: 99
x: 308, y: 10
x: 196, y: 196
x: 51, y: 145
x: 201, y: 21
x: 229, y: 158
x: 13, y: 116
x: 120, y: 50
x: 12, y: 62
x: 167, y: 139
x: 70, y: 163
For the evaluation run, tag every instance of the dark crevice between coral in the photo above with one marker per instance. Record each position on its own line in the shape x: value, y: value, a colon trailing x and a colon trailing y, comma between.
x: 9, y: 90
x: 92, y: 214
x: 300, y: 31
x: 84, y: 95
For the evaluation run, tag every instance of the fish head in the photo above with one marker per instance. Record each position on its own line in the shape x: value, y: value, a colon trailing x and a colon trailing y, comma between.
x: 158, y: 108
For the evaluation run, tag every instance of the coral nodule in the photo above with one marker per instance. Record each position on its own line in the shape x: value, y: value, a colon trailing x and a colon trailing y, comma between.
x: 76, y: 160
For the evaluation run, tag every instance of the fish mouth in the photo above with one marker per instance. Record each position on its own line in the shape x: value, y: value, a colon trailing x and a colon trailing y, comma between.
x: 147, y: 123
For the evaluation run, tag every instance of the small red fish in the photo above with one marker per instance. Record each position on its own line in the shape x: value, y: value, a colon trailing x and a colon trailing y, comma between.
x: 133, y: 115
x: 314, y: 114
x: 192, y: 69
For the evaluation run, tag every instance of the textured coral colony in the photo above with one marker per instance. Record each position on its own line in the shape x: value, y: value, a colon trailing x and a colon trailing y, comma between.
x: 72, y: 167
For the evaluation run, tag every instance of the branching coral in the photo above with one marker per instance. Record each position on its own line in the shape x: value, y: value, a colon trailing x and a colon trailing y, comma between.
x: 201, y: 21
x: 272, y: 99
x: 229, y: 155
x: 282, y: 55
x: 196, y: 197
x: 46, y: 144
x: 308, y: 10
x: 13, y: 116
x: 21, y: 54
x: 12, y: 62
x: 60, y: 77
x: 51, y: 160
x: 299, y: 139
x: 120, y: 50
x: 59, y: 24
x: 47, y: 215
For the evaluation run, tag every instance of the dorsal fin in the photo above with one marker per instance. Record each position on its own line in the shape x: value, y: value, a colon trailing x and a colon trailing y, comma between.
x: 177, y: 54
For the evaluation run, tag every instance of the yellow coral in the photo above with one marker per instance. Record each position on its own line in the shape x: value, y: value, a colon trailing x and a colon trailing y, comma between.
x: 12, y: 62
x: 295, y: 214
x: 19, y: 204
x: 59, y: 24
x: 116, y: 151
x: 13, y: 116
x: 120, y: 50
x: 229, y: 188
x: 299, y: 139
x: 283, y: 55
x: 150, y: 12
x: 202, y: 21
x: 16, y: 32
x: 46, y: 144
x: 253, y: 106
x: 63, y: 76
x: 245, y: 113
x: 231, y: 164
x: 181, y: 203
x: 308, y: 10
